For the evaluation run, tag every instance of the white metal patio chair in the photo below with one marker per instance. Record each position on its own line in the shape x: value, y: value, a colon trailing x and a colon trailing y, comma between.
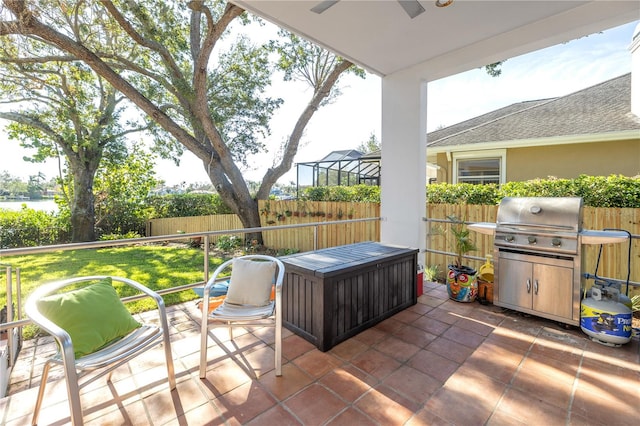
x: 94, y: 331
x: 248, y: 301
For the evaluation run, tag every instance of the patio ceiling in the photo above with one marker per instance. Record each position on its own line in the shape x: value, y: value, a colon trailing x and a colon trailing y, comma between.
x: 382, y: 38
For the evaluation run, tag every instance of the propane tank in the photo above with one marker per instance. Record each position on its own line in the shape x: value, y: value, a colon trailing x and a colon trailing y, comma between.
x: 622, y: 298
x: 604, y: 318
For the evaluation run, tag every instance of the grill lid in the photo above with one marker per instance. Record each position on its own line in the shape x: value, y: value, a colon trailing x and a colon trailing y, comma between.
x: 561, y: 214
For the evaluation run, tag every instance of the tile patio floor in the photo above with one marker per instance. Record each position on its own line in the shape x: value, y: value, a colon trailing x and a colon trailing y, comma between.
x: 436, y: 363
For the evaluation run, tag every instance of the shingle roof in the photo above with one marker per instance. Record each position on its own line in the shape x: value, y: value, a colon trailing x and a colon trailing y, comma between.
x: 598, y: 109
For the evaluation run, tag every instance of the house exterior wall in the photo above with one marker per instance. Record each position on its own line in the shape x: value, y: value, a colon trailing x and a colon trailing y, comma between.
x: 570, y: 161
x: 562, y: 161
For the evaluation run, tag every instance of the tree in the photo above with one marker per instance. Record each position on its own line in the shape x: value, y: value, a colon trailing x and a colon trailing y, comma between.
x: 62, y: 109
x: 370, y: 145
x: 213, y: 110
x: 121, y: 191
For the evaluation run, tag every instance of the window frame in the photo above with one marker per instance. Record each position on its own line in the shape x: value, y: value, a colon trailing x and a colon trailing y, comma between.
x: 500, y: 154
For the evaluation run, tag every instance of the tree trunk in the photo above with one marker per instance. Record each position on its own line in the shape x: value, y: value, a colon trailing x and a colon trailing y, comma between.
x: 82, y: 207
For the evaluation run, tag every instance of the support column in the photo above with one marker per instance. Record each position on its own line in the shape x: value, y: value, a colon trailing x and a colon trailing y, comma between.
x: 404, y: 161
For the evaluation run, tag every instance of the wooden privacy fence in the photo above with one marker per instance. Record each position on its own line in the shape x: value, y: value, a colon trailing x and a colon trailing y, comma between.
x: 613, y: 261
x: 273, y: 213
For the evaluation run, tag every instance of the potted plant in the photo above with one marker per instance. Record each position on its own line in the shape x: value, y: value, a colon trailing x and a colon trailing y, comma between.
x: 462, y: 280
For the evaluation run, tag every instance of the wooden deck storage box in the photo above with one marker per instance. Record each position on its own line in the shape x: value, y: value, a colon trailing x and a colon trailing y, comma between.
x: 332, y: 294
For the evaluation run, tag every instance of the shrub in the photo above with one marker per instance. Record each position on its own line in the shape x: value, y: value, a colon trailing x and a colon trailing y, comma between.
x: 29, y: 228
x: 355, y: 193
x: 229, y: 242
x: 182, y: 205
x: 596, y: 191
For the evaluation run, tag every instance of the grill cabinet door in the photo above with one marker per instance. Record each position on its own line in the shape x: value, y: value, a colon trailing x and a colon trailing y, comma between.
x: 552, y: 290
x: 513, y: 278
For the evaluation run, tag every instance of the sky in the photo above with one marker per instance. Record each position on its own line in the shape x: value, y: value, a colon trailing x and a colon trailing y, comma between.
x: 356, y: 114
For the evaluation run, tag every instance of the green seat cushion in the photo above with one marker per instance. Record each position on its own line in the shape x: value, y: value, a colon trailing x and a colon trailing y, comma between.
x: 93, y: 316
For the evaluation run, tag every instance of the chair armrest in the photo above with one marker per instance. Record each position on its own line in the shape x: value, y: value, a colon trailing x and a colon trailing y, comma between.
x: 59, y: 334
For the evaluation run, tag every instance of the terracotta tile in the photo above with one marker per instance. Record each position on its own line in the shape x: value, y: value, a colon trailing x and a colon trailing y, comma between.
x: 524, y: 371
x: 292, y: 380
x: 456, y: 406
x: 206, y: 415
x: 223, y: 377
x: 370, y: 336
x: 350, y: 417
x: 162, y: 407
x: 475, y: 326
x: 450, y: 349
x: 415, y: 336
x: 464, y: 337
x: 488, y: 315
x: 461, y: 308
x: 434, y: 365
x: 425, y: 304
x: 315, y: 405
x: 348, y: 349
x: 276, y: 415
x: 426, y: 418
x: 494, y: 361
x: 443, y: 315
x: 511, y: 340
x: 389, y: 326
x: 375, y: 363
x: 397, y: 349
x: 316, y: 363
x: 500, y: 418
x: 523, y: 324
x: 294, y: 346
x: 607, y: 386
x: 431, y: 325
x: 530, y: 409
x: 412, y: 384
x: 407, y: 316
x: 559, y: 346
x: 548, y: 369
x: 555, y: 392
x: 131, y: 414
x: 382, y: 406
x: 485, y: 389
x: 245, y: 402
x: 345, y: 384
x: 260, y: 361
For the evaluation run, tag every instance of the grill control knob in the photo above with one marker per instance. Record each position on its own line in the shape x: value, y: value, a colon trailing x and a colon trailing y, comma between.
x: 509, y: 238
x: 556, y: 242
x: 532, y: 240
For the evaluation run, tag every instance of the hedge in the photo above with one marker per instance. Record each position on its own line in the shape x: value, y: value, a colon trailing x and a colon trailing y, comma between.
x: 596, y: 191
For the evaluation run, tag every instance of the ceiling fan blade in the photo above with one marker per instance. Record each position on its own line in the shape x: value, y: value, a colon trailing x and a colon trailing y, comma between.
x: 322, y: 6
x: 412, y: 7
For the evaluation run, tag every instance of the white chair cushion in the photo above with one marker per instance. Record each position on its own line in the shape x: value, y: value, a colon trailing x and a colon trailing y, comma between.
x: 251, y: 282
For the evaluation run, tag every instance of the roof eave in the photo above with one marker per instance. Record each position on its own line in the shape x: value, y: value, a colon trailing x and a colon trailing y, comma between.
x: 534, y: 142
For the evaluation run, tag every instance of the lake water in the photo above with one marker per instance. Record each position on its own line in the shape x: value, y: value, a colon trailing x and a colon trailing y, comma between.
x: 44, y: 205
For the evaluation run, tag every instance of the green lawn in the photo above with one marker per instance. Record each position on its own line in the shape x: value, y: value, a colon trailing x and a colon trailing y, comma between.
x: 157, y: 267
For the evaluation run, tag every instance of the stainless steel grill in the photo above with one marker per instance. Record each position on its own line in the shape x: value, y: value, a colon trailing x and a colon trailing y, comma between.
x: 538, y: 255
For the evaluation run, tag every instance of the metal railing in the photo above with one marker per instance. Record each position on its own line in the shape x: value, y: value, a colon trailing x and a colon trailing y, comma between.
x: 10, y: 325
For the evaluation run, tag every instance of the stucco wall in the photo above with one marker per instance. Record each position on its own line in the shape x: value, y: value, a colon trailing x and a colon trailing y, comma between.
x: 564, y: 161
x: 570, y: 161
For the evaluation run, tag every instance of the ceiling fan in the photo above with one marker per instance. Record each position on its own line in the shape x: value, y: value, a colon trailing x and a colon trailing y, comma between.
x: 412, y: 7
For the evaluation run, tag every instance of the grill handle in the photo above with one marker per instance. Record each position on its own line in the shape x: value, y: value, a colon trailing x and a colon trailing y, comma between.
x: 536, y: 225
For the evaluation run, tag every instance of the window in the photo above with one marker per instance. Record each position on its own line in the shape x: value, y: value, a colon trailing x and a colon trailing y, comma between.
x: 480, y: 167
